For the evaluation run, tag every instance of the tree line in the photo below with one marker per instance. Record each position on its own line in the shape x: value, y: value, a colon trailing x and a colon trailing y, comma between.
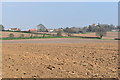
x: 100, y: 29
x: 90, y: 28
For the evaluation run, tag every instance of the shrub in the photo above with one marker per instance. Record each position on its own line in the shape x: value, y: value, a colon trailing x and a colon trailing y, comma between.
x: 21, y: 35
x: 43, y: 35
x: 117, y: 38
x: 11, y: 35
x: 53, y: 35
x: 69, y: 34
x: 31, y: 35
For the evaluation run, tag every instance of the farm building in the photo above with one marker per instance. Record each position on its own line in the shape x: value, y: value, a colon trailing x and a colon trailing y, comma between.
x: 50, y: 30
x: 32, y: 30
x: 14, y: 29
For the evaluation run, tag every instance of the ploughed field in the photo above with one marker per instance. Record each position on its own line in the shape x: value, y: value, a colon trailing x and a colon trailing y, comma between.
x: 60, y: 60
x: 17, y: 34
x: 109, y: 35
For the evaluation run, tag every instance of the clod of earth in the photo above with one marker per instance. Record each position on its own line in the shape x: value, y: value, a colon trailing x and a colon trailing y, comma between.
x: 50, y: 67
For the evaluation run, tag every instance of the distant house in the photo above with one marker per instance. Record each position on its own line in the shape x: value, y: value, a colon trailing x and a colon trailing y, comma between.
x: 114, y: 30
x: 1, y: 27
x: 50, y: 30
x: 14, y: 29
x: 32, y: 30
x: 94, y: 24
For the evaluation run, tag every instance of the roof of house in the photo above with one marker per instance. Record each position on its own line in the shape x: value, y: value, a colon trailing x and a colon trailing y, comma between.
x: 32, y: 29
x: 15, y: 29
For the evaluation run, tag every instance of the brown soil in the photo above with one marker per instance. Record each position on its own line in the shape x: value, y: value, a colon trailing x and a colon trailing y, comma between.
x: 110, y: 35
x: 60, y: 60
x: 16, y: 34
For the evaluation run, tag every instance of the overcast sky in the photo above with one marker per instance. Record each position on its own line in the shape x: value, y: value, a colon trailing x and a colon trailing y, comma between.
x: 26, y: 15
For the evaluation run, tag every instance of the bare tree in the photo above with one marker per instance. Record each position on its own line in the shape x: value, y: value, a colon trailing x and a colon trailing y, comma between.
x: 59, y: 32
x: 100, y: 31
x: 41, y: 28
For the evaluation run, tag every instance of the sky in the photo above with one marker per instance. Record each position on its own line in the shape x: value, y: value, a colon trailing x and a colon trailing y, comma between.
x: 60, y: 0
x: 26, y: 15
x: 0, y: 13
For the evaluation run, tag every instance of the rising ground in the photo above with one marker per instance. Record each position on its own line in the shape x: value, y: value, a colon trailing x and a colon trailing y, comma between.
x: 110, y: 35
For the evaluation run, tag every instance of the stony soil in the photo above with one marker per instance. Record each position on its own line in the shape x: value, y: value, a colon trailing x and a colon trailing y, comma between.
x: 60, y: 60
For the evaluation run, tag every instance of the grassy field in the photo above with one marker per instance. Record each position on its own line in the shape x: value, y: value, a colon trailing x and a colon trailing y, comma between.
x: 34, y: 38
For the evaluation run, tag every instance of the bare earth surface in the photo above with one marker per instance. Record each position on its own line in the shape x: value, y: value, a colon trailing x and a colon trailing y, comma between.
x: 59, y: 40
x: 60, y: 58
x: 16, y: 34
x: 110, y: 35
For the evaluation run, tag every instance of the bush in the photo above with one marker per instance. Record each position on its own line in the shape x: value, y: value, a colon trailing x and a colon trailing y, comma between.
x: 11, y: 35
x: 53, y: 34
x: 21, y: 35
x: 43, y: 35
x: 31, y: 35
x: 117, y: 38
x: 69, y: 34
